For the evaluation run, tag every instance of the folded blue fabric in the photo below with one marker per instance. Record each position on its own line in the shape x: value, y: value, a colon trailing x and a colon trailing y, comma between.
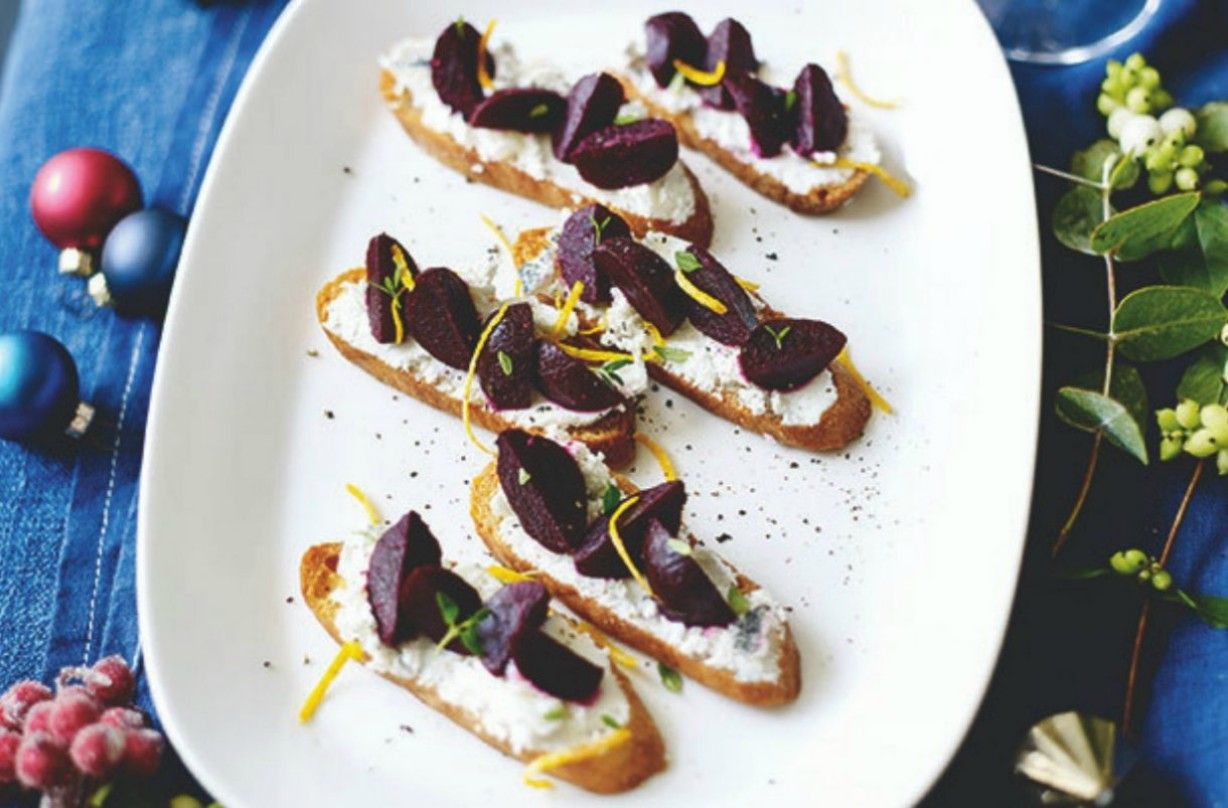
x: 152, y: 80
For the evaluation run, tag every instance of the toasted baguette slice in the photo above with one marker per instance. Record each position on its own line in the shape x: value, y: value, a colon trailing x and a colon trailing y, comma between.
x: 613, y: 434
x: 444, y: 148
x: 817, y: 200
x: 618, y: 769
x: 764, y: 693
x: 841, y: 424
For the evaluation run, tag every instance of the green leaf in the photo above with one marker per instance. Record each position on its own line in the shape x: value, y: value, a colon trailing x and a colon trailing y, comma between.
x: 448, y: 609
x: 1206, y: 379
x: 669, y: 677
x: 790, y: 100
x: 672, y: 354
x: 469, y: 637
x: 1212, y: 132
x: 679, y: 546
x: 1091, y: 411
x: 686, y: 261
x: 1127, y: 387
x: 737, y: 601
x: 538, y: 111
x: 778, y: 336
x: 1160, y: 322
x: 1139, y: 231
x: 1084, y: 573
x: 610, y: 721
x: 1078, y: 212
x: 505, y: 363
x: 610, y: 498
x: 1199, y: 257
x: 626, y: 118
x: 556, y: 713
x: 523, y: 476
x: 598, y: 227
x: 1089, y: 163
x: 1213, y: 609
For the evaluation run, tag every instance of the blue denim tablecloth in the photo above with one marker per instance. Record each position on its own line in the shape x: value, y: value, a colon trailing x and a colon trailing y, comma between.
x: 152, y: 80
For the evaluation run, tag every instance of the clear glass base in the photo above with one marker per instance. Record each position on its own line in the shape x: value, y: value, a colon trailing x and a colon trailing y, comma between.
x: 1065, y: 32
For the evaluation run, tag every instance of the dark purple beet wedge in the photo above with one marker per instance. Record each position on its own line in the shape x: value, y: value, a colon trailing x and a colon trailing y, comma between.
x: 821, y: 120
x: 582, y: 232
x: 622, y: 156
x: 763, y: 107
x: 785, y: 354
x: 568, y: 382
x: 427, y: 593
x: 597, y: 557
x: 506, y: 366
x: 404, y: 547
x: 740, y: 318
x: 554, y: 668
x: 592, y: 104
x: 386, y: 262
x: 454, y: 67
x: 730, y: 43
x: 684, y: 591
x: 545, y: 488
x: 514, y: 609
x: 520, y: 109
x: 646, y: 280
x: 669, y: 36
x: 441, y: 317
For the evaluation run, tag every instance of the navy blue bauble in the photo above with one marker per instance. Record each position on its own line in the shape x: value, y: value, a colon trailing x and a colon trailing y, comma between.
x: 139, y: 259
x: 38, y: 386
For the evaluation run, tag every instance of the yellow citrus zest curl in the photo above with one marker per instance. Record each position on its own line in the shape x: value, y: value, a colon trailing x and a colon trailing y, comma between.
x: 703, y: 78
x: 596, y: 329
x: 507, y: 245
x: 658, y: 452
x: 350, y: 650
x: 749, y: 286
x: 894, y: 183
x: 473, y: 366
x: 593, y: 354
x: 506, y: 575
x: 846, y: 359
x: 484, y: 78
x: 363, y: 500
x: 846, y: 78
x: 575, y: 754
x: 621, y: 547
x: 569, y: 305
x: 655, y: 333
x: 698, y: 295
x: 602, y: 641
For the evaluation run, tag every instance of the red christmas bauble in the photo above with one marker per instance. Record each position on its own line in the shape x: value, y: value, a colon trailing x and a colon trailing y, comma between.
x: 80, y: 194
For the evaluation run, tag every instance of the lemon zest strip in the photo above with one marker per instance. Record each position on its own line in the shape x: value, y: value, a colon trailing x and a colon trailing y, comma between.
x: 507, y: 245
x: 575, y: 754
x: 655, y: 333
x: 365, y: 501
x: 846, y: 78
x: 593, y: 354
x: 896, y: 184
x: 622, y: 547
x: 506, y: 575
x: 703, y: 78
x: 484, y: 79
x: 601, y: 326
x: 473, y: 366
x: 401, y: 263
x: 350, y: 650
x: 602, y: 641
x: 662, y: 457
x: 569, y: 305
x: 698, y: 295
x: 846, y: 359
x: 749, y: 286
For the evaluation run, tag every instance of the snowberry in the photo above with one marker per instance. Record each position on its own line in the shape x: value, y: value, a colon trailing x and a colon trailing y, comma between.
x: 17, y: 701
x: 41, y: 763
x: 97, y: 750
x: 142, y: 752
x: 9, y: 741
x: 110, y: 680
x: 122, y: 718
x: 72, y: 710
x: 38, y: 718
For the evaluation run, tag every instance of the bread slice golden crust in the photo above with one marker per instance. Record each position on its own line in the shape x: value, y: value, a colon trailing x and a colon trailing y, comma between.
x: 444, y: 148
x: 613, y: 434
x: 782, y: 690
x: 818, y: 200
x: 617, y: 769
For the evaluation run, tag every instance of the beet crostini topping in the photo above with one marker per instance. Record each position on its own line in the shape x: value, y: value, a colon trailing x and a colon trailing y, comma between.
x: 513, y: 610
x: 669, y: 36
x: 622, y: 156
x: 434, y: 601
x: 787, y: 353
x: 506, y: 366
x: 520, y: 109
x: 581, y: 233
x: 763, y: 108
x: 821, y: 120
x: 404, y: 547
x: 684, y: 592
x: 730, y: 43
x: 733, y: 327
x: 568, y: 382
x: 442, y: 317
x: 390, y: 275
x: 592, y: 104
x: 545, y: 488
x: 645, y: 279
x: 554, y: 668
x: 454, y: 67
x: 597, y: 556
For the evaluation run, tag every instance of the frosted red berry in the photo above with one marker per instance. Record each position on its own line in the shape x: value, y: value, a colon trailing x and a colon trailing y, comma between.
x: 41, y: 763
x: 18, y: 700
x: 38, y: 718
x: 110, y: 681
x: 123, y: 718
x: 97, y: 750
x: 9, y: 741
x: 72, y: 710
x: 142, y: 752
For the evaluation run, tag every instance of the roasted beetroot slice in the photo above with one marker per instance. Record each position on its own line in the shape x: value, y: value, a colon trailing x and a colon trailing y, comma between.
x: 592, y: 104
x: 520, y: 109
x: 646, y: 280
x: 684, y: 591
x: 568, y: 382
x: 622, y: 156
x: 545, y: 488
x: 740, y: 318
x: 385, y: 257
x: 669, y: 36
x: 554, y: 668
x: 514, y: 609
x: 506, y: 364
x: 420, y: 602
x: 822, y: 122
x: 584, y: 230
x: 730, y: 43
x: 764, y: 110
x: 785, y: 354
x: 441, y: 317
x: 454, y: 67
x: 404, y: 547
x: 598, y: 558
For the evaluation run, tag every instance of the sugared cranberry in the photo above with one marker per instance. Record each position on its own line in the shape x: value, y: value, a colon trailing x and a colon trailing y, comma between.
x: 9, y: 742
x: 18, y: 700
x: 110, y: 681
x: 122, y: 718
x: 42, y: 763
x: 38, y: 718
x: 142, y: 752
x: 71, y: 711
x: 97, y: 750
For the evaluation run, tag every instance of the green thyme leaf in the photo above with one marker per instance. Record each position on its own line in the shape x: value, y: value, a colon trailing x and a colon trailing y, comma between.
x: 626, y: 118
x: 1091, y: 411
x: 790, y: 100
x: 1137, y: 232
x: 1077, y: 213
x: 556, y: 713
x: 778, y: 336
x: 598, y: 227
x: 679, y: 546
x: 523, y: 476
x: 538, y: 111
x: 737, y: 601
x: 669, y: 677
x: 686, y: 261
x: 672, y: 354
x: 460, y: 25
x: 505, y: 363
x: 448, y: 609
x: 610, y: 498
x: 1160, y: 322
x: 469, y: 637
x: 610, y: 721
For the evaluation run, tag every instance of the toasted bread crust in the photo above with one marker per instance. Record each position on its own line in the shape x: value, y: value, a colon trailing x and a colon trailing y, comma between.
x: 444, y: 148
x: 818, y: 200
x: 613, y: 435
x: 782, y: 690
x: 618, y: 769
